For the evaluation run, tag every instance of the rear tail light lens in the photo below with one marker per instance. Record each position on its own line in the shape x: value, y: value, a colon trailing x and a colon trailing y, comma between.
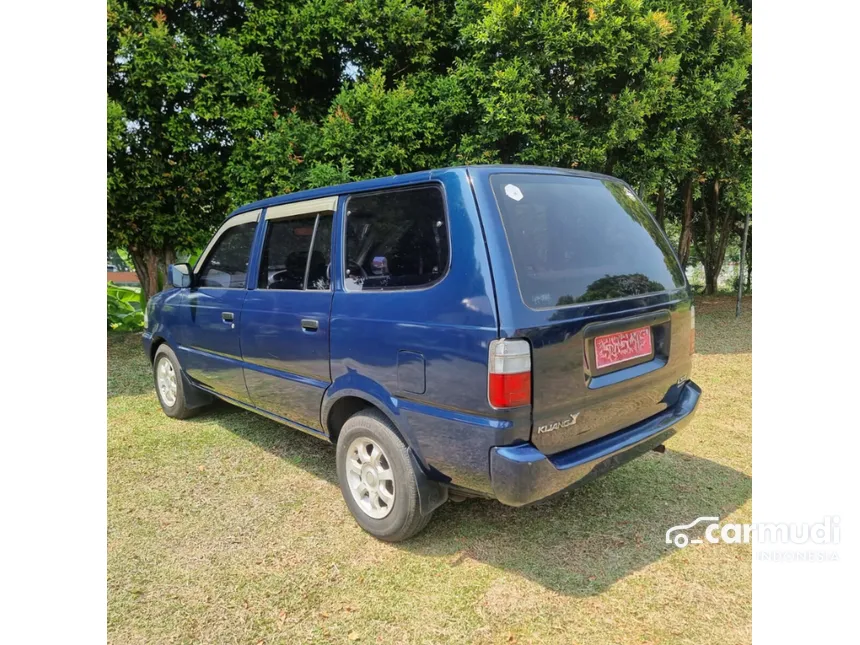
x: 692, y: 330
x: 510, y: 382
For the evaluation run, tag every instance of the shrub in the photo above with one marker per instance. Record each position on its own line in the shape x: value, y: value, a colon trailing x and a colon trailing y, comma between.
x: 124, y: 309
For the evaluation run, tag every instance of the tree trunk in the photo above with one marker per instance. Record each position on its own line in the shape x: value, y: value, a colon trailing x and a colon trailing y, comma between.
x: 167, y: 257
x: 661, y: 208
x: 146, y: 267
x: 712, y: 266
x: 741, y: 267
x: 749, y: 261
x: 710, y: 280
x: 151, y: 265
x: 718, y: 231
x: 686, y: 223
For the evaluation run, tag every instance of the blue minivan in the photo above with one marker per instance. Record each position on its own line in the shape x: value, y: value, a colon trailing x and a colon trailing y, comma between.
x: 495, y: 331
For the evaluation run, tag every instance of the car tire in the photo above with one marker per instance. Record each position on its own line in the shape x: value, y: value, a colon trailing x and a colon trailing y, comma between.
x: 170, y: 384
x: 372, y: 458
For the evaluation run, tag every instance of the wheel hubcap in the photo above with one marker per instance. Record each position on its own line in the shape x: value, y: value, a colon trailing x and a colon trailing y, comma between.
x: 370, y: 477
x: 166, y: 380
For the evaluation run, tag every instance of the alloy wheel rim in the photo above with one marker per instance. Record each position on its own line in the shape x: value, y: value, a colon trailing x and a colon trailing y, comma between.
x: 166, y: 379
x: 370, y: 477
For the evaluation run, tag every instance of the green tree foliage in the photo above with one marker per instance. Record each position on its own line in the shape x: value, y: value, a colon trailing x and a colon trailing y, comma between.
x: 726, y: 182
x: 180, y: 90
x: 212, y: 104
x: 670, y: 161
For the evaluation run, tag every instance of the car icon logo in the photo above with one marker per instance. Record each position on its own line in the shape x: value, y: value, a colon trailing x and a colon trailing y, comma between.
x: 681, y: 539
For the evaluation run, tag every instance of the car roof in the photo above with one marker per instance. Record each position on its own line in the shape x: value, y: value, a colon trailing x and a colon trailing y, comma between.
x: 409, y: 178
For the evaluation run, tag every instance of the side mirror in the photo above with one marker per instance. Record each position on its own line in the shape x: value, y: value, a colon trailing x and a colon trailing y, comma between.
x: 179, y: 275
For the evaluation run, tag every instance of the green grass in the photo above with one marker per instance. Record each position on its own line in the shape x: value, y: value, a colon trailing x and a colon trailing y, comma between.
x: 229, y: 528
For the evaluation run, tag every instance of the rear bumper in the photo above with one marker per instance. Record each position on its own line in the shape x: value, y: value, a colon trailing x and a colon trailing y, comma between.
x: 522, y: 474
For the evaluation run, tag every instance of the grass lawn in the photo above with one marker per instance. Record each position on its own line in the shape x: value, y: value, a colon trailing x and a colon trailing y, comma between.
x: 230, y: 528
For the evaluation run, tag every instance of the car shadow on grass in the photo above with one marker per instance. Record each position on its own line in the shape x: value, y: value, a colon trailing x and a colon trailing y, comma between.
x: 582, y: 541
x: 310, y: 453
x: 577, y: 543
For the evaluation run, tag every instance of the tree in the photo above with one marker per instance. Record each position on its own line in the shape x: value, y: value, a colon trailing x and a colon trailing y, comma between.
x: 727, y: 174
x: 668, y: 160
x: 179, y: 90
x: 214, y: 104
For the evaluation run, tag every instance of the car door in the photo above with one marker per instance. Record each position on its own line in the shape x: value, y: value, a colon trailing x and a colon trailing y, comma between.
x: 211, y: 316
x: 285, y: 327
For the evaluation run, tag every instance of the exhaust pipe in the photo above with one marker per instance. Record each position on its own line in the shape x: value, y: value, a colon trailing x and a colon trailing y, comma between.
x: 661, y: 448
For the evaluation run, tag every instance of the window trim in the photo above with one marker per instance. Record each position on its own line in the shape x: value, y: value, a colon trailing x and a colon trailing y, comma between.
x: 407, y: 187
x: 307, y: 207
x: 236, y: 220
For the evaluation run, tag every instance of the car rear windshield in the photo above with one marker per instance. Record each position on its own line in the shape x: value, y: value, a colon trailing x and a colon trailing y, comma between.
x: 579, y: 239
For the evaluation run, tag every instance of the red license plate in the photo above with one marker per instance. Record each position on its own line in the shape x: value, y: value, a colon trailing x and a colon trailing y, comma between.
x: 623, y: 346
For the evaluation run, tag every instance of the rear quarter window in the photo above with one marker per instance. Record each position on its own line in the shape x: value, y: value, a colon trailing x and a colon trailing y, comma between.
x: 396, y: 239
x: 576, y: 239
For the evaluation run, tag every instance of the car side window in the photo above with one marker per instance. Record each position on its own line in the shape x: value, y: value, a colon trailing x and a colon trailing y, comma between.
x: 396, y: 239
x: 292, y: 253
x: 226, y: 266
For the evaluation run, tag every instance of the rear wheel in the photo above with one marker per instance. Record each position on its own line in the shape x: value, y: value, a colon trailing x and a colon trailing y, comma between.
x: 377, y: 478
x: 169, y: 384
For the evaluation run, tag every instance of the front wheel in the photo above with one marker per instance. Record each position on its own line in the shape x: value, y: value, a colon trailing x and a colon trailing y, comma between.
x: 169, y: 384
x: 377, y: 479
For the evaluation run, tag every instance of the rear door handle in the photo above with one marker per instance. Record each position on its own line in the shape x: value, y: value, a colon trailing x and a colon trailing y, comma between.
x: 310, y: 324
x: 227, y: 316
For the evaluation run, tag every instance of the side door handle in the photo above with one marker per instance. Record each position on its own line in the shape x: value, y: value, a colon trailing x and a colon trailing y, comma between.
x: 310, y: 324
x: 227, y: 316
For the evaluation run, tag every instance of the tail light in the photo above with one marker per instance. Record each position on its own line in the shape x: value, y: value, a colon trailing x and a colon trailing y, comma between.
x: 510, y: 382
x: 692, y: 330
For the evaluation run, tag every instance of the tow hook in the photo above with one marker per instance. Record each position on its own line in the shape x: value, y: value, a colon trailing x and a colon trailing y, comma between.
x: 661, y: 448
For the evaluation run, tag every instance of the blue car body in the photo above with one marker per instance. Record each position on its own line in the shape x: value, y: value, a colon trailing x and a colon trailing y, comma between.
x: 310, y: 358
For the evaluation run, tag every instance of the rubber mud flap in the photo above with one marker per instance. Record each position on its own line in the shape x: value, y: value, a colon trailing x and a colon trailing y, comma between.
x: 431, y: 494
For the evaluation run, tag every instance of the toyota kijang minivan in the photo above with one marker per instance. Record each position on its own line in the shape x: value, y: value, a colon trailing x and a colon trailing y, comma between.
x: 495, y: 331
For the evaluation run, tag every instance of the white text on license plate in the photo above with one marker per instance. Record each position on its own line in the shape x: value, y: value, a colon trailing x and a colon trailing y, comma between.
x: 622, y: 346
